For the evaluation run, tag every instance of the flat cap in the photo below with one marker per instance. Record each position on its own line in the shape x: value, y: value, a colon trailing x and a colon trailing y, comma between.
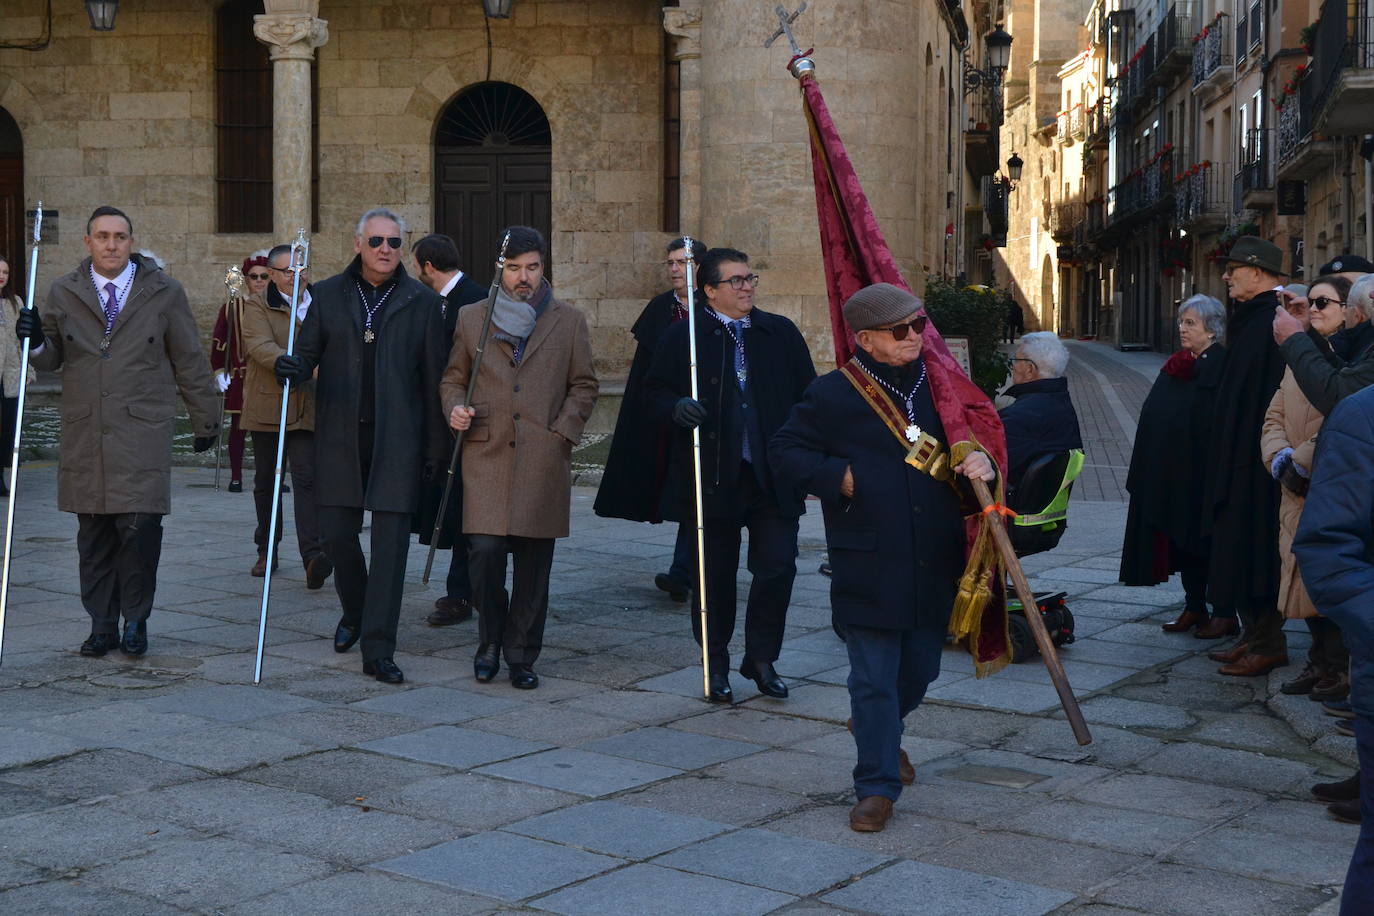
x: 1346, y: 263
x: 878, y: 305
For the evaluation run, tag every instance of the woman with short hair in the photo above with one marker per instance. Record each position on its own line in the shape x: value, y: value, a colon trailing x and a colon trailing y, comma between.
x: 1169, y: 465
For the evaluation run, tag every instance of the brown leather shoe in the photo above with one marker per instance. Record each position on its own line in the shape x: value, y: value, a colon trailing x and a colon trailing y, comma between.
x: 1185, y: 622
x: 1233, y: 654
x: 1216, y: 628
x: 1252, y: 665
x: 905, y: 771
x: 317, y: 570
x: 448, y: 611
x: 871, y: 814
x: 260, y: 567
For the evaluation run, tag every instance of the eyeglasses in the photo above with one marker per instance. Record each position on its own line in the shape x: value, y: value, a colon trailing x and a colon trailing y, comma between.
x: 899, y: 331
x: 750, y: 280
x: 287, y: 269
x: 1022, y: 359
x: 258, y: 276
x: 1322, y: 302
x: 392, y: 241
x: 676, y: 262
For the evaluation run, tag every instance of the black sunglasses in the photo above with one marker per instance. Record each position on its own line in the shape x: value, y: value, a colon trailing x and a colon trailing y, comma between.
x: 375, y: 241
x: 899, y: 331
x: 1322, y: 302
x: 258, y: 276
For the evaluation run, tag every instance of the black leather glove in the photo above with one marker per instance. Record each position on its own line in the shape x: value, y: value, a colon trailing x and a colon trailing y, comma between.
x: 1292, y: 481
x: 29, y: 325
x: 204, y: 443
x: 289, y: 369
x: 688, y: 413
x: 430, y: 472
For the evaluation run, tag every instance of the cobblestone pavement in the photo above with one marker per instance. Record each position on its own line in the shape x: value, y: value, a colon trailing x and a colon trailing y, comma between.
x: 172, y: 784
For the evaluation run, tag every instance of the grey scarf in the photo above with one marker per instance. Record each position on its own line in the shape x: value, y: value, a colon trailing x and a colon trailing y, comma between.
x: 513, y: 317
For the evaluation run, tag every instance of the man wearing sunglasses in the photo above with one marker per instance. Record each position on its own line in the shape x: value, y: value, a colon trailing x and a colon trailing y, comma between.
x: 752, y: 366
x: 894, y: 527
x: 376, y: 336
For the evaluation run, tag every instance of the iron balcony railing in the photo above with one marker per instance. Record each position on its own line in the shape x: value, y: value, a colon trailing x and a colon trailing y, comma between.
x: 1099, y: 120
x: 1211, y: 54
x: 1256, y: 166
x: 1295, y: 123
x: 1342, y: 41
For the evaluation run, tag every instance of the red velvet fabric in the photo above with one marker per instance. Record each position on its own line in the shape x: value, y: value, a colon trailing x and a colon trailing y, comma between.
x: 1182, y: 365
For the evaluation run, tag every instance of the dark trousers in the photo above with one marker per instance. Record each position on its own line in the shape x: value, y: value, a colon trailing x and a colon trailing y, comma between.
x: 118, y: 557
x: 236, y: 437
x: 370, y: 598
x: 299, y: 455
x: 9, y: 415
x: 1358, y: 897
x: 889, y: 671
x: 683, y: 570
x: 514, y: 621
x: 1263, y: 628
x: 1328, y: 652
x: 772, y: 562
x: 1192, y: 569
x: 459, y: 583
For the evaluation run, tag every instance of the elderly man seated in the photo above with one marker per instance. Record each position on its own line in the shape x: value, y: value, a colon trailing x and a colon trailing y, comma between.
x: 1042, y: 421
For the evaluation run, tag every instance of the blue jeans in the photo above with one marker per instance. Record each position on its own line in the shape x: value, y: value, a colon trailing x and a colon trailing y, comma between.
x: 889, y: 671
x: 1358, y: 896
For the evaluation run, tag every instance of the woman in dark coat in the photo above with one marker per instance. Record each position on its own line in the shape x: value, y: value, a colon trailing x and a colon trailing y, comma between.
x: 1168, y: 470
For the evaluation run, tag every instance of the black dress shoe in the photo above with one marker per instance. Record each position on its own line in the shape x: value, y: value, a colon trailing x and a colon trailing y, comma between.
x: 1348, y: 811
x: 675, y: 587
x: 1347, y: 789
x: 762, y: 674
x: 236, y: 486
x: 97, y: 644
x: 487, y: 662
x: 448, y: 611
x: 317, y: 570
x: 720, y: 691
x: 135, y: 640
x: 384, y: 670
x: 345, y: 636
x: 523, y: 677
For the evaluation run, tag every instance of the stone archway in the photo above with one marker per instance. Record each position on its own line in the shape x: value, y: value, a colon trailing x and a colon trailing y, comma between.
x: 492, y: 168
x: 12, y: 245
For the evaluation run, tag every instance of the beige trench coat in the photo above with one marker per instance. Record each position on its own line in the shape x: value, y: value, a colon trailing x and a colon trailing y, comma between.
x: 516, y: 462
x: 1290, y: 422
x: 265, y: 329
x: 10, y: 356
x: 119, y: 406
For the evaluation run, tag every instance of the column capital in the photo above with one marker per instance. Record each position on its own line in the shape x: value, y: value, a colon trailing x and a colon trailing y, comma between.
x: 684, y: 24
x: 291, y: 36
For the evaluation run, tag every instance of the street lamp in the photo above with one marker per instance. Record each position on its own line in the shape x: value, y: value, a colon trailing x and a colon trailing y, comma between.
x: 102, y: 13
x: 998, y: 43
x: 497, y: 9
x: 1014, y: 166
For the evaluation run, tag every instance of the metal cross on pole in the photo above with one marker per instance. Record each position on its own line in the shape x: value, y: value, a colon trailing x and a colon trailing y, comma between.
x: 800, y: 62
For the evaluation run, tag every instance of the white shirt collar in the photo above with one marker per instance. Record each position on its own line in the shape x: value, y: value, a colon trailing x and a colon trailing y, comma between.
x: 452, y: 282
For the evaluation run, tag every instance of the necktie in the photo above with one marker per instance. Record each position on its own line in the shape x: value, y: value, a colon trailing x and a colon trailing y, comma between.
x: 111, y: 307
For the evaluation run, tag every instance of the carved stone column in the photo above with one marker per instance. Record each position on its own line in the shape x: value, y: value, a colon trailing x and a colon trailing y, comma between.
x: 683, y: 23
x: 292, y: 38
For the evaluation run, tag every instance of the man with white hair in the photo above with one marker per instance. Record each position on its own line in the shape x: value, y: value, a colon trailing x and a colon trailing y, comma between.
x: 1358, y: 334
x: 376, y: 337
x: 1042, y: 421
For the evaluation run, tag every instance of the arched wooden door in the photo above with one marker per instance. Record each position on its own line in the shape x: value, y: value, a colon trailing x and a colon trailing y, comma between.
x: 492, y: 169
x: 12, y: 243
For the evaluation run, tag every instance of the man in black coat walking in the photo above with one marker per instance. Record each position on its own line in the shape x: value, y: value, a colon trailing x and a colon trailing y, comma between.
x: 895, y: 533
x: 1241, y: 513
x: 752, y: 366
x: 376, y: 336
x: 636, y: 469
x: 436, y: 265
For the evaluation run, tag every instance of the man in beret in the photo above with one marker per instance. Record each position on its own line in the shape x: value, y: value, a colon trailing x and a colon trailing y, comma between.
x: 1240, y: 509
x: 894, y: 528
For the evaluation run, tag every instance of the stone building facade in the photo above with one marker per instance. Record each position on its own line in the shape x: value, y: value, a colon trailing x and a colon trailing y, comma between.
x: 656, y: 121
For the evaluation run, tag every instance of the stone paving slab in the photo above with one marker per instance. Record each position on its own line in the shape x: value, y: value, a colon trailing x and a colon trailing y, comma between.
x: 500, y: 865
x: 617, y: 829
x: 580, y: 772
x: 448, y: 746
x: 672, y: 748
x: 643, y: 889
x: 920, y: 889
x: 789, y: 864
x: 364, y: 892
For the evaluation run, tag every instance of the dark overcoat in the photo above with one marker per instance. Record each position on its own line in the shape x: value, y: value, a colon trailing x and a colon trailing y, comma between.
x: 637, y: 467
x: 467, y: 290
x: 1326, y: 376
x: 1242, y: 499
x: 119, y: 406
x: 1041, y: 421
x: 780, y: 368
x: 410, y: 430
x: 1169, y: 467
x: 897, y: 547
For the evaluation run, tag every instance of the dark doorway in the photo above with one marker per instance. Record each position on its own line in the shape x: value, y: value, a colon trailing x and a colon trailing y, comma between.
x: 12, y: 244
x: 492, y: 169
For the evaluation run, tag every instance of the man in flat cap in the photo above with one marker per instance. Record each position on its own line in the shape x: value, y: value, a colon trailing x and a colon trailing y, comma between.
x: 894, y: 526
x: 1240, y: 509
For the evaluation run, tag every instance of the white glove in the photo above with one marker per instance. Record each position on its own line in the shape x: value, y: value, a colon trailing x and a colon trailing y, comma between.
x: 222, y: 381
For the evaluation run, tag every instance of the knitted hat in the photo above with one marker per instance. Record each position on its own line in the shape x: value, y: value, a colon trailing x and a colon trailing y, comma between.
x: 879, y: 305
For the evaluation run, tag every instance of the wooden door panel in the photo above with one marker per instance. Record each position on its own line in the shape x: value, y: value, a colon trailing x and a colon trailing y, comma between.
x: 481, y: 191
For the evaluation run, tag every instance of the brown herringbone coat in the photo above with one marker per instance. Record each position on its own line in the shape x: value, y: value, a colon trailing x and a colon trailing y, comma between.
x: 118, y: 413
x: 517, y: 470
x: 265, y: 326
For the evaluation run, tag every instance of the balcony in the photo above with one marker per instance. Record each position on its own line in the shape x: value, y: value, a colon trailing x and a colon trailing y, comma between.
x: 1255, y: 179
x: 1173, y: 47
x: 1098, y: 123
x: 1212, y: 67
x: 1302, y: 154
x: 981, y: 145
x: 1340, y: 87
x: 1202, y: 200
x: 1065, y: 217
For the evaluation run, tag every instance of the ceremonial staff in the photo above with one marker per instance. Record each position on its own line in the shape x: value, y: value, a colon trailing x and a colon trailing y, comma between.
x: 467, y: 402
x: 234, y: 289
x: 18, y: 429
x: 300, y: 261
x: 696, y: 467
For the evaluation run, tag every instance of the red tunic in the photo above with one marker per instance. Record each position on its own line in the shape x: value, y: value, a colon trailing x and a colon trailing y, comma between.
x: 227, y: 355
